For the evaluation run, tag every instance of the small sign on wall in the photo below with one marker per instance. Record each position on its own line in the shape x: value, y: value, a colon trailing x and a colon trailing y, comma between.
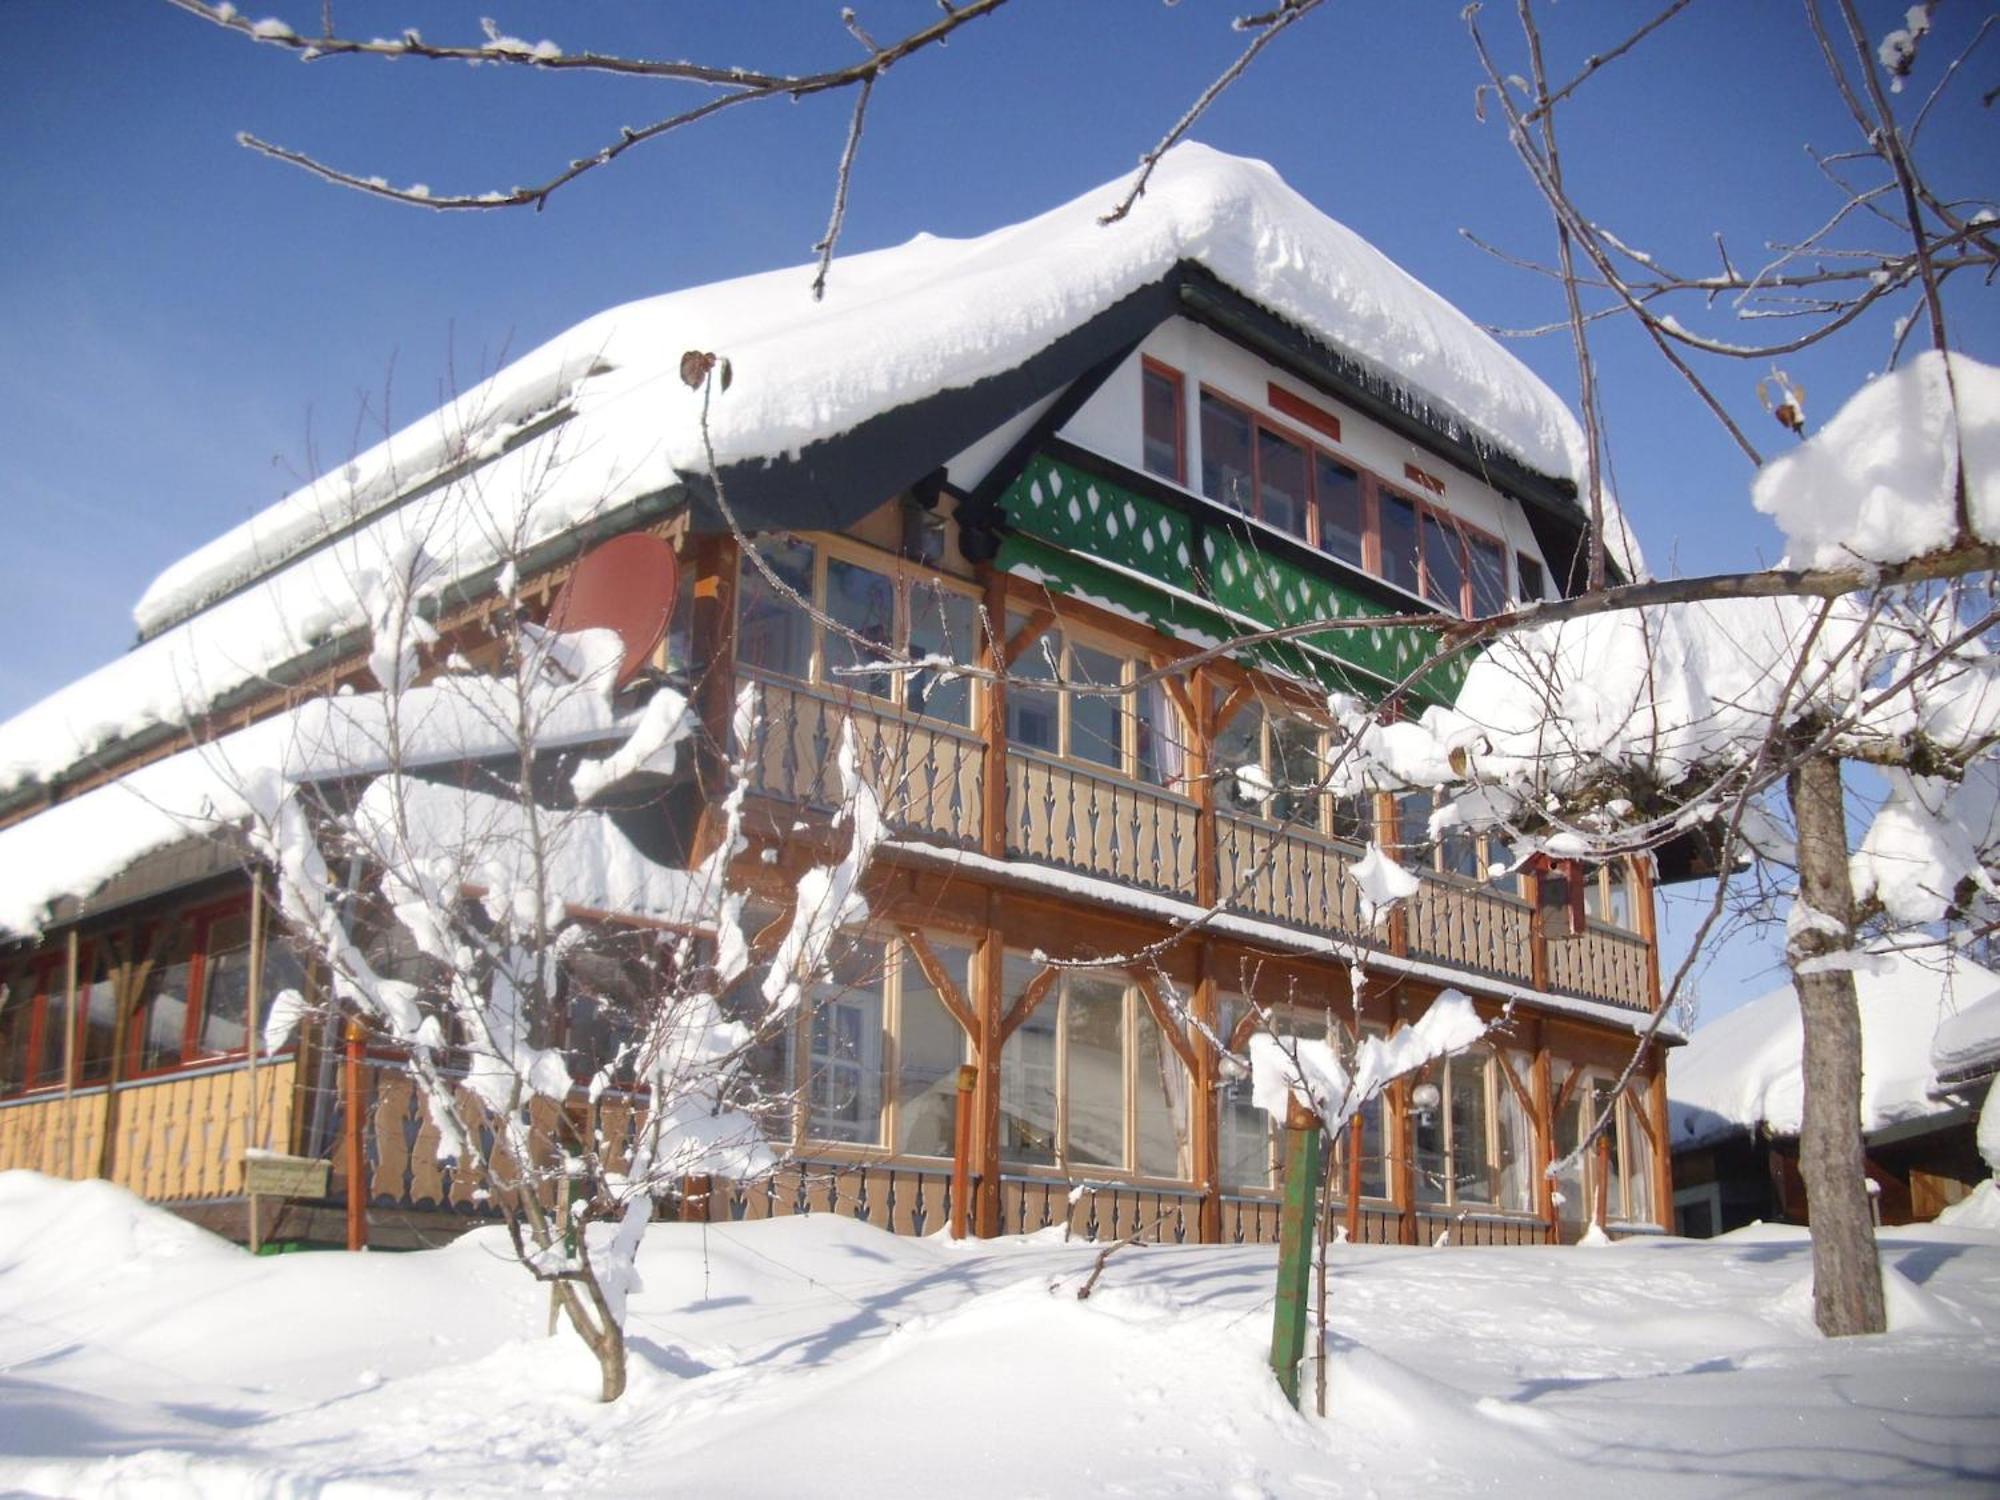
x: 267, y: 1174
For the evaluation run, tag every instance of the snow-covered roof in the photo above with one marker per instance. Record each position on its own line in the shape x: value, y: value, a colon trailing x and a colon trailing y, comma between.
x: 599, y: 417
x: 1967, y: 1045
x: 1743, y: 1069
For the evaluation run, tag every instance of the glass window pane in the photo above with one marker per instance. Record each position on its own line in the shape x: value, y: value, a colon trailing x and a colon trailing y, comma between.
x: 1031, y: 712
x: 844, y: 1063
x: 1094, y: 1070
x: 225, y: 984
x: 1489, y: 574
x: 1399, y: 541
x: 1413, y: 818
x: 1458, y: 854
x: 1471, y: 1176
x: 943, y: 625
x: 1444, y: 570
x: 1530, y: 573
x: 47, y: 1066
x: 1638, y: 1169
x: 930, y: 1046
x: 1515, y: 1138
x: 1428, y: 1134
x: 1162, y: 1103
x: 98, y: 1002
x: 1354, y: 819
x: 1296, y: 769
x: 864, y: 602
x: 1096, y: 720
x: 1240, y: 744
x: 1225, y: 454
x: 1028, y: 1072
x: 1243, y: 1144
x: 161, y: 1019
x: 1341, y: 524
x: 1617, y: 896
x: 1161, y: 747
x: 1162, y: 403
x: 772, y: 632
x: 1282, y: 486
x: 1374, y: 1149
x: 17, y: 1017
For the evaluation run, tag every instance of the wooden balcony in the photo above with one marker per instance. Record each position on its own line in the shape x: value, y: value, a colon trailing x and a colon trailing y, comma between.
x: 931, y: 780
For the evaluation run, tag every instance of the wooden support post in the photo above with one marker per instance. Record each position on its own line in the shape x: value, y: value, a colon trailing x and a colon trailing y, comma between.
x: 712, y: 641
x: 1600, y: 1211
x: 1205, y: 1123
x: 697, y: 1198
x: 993, y: 718
x: 1538, y: 941
x: 965, y: 1117
x: 1663, y: 1167
x: 1297, y: 1216
x: 1389, y: 833
x: 357, y: 1167
x: 1639, y: 885
x: 986, y: 1089
x: 1545, y: 1133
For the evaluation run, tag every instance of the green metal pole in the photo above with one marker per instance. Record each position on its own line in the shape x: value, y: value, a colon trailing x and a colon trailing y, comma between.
x: 1303, y: 1141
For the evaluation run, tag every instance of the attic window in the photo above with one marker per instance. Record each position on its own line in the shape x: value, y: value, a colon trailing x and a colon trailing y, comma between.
x: 1165, y: 422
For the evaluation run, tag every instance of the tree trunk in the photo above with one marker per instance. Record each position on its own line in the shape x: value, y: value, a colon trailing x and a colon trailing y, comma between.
x: 1847, y: 1276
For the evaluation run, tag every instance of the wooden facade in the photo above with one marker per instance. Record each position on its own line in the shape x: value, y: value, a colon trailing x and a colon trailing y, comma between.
x: 1098, y: 789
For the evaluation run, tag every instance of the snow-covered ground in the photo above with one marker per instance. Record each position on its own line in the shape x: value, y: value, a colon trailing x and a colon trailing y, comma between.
x: 818, y: 1356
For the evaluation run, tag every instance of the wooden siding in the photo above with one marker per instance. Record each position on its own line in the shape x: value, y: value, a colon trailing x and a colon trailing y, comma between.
x: 175, y: 1138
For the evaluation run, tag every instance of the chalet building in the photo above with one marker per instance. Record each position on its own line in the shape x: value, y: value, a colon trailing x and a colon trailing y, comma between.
x: 1076, y: 458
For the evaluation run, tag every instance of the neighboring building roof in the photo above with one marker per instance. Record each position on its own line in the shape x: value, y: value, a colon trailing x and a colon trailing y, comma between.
x: 1742, y: 1071
x: 815, y: 429
x: 1966, y: 1049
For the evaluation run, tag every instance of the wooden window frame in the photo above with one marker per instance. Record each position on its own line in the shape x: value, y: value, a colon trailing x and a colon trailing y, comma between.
x: 1178, y: 380
x: 904, y: 577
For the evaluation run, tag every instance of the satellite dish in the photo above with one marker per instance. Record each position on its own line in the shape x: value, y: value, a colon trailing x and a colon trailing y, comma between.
x: 628, y: 585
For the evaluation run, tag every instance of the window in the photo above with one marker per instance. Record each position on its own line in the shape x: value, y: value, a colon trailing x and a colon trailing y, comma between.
x: 1250, y: 1145
x: 1226, y: 474
x: 158, y: 1029
x: 1618, y: 1168
x: 1283, y: 490
x: 772, y: 632
x: 880, y: 609
x: 1290, y: 754
x: 872, y: 1061
x: 1487, y: 564
x: 1530, y: 573
x: 1472, y: 1143
x: 33, y: 1009
x: 1343, y: 520
x: 1164, y: 420
x: 1087, y: 1080
x: 1401, y: 560
x: 1136, y: 733
x: 1444, y: 565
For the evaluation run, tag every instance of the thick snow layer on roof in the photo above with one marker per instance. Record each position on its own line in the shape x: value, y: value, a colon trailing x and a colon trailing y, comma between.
x: 1743, y: 1069
x: 1879, y: 483
x: 1968, y: 1040
x: 896, y: 325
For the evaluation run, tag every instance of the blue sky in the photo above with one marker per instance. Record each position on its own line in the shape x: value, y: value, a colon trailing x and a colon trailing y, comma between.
x: 189, y: 329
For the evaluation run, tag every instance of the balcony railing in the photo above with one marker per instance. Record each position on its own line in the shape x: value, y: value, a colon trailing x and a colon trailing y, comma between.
x: 931, y: 781
x: 1064, y: 814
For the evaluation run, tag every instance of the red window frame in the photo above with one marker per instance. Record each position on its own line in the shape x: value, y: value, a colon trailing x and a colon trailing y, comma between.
x: 1174, y: 378
x: 199, y: 921
x: 1372, y: 487
x: 42, y: 973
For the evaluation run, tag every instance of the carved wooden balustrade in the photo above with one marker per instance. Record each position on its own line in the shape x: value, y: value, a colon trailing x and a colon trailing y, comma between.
x: 930, y: 778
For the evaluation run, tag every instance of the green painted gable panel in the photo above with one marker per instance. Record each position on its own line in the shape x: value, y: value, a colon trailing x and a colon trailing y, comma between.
x: 1203, y: 584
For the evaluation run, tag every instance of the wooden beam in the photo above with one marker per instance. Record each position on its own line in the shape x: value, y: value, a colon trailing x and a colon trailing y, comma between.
x: 1030, y: 1000
x: 948, y: 992
x: 1527, y: 1100
x: 1231, y: 706
x: 1204, y: 1123
x: 1038, y: 621
x: 1663, y: 1168
x: 993, y: 718
x: 1543, y: 1114
x: 1171, y: 1029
